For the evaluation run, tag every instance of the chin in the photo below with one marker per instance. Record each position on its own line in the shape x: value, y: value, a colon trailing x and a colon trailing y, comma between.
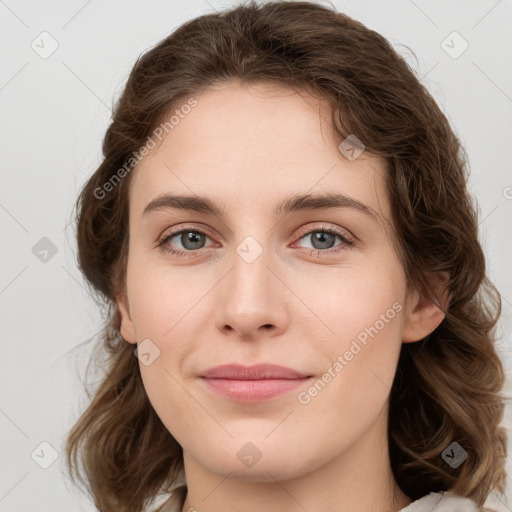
x: 259, y: 460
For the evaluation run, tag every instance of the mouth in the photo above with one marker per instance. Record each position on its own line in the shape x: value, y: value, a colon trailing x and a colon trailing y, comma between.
x: 253, y: 383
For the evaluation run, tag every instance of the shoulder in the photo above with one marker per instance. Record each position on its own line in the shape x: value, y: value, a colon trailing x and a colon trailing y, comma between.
x: 442, y: 502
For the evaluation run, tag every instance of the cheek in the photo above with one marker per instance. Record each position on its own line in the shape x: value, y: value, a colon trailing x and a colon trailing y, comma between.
x: 159, y: 297
x: 361, y: 362
x: 361, y: 324
x: 346, y: 302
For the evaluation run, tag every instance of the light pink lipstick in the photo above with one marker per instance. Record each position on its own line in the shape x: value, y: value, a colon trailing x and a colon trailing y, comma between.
x: 252, y: 383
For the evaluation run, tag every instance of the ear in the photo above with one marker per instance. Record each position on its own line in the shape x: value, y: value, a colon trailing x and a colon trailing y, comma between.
x: 423, y: 316
x: 127, y: 327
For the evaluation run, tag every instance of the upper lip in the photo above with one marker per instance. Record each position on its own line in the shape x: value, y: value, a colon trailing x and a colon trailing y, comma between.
x: 256, y: 372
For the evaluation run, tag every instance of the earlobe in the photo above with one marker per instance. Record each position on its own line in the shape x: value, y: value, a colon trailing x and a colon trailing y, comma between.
x: 424, y: 316
x: 127, y: 327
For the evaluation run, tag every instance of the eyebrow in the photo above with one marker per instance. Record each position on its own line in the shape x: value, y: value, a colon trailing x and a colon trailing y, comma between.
x: 293, y: 203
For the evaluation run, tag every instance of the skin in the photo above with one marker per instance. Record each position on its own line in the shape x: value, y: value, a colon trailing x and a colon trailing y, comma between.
x: 246, y: 148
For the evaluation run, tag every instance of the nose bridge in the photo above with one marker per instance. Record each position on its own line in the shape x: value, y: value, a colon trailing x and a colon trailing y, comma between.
x: 250, y: 282
x: 250, y: 297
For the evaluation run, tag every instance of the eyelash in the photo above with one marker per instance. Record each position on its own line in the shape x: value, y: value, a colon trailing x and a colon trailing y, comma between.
x: 162, y: 244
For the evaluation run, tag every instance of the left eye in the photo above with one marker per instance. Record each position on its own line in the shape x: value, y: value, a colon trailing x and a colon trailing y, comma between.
x: 322, y: 239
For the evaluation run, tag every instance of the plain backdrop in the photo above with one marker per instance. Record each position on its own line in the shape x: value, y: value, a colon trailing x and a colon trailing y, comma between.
x: 55, y: 108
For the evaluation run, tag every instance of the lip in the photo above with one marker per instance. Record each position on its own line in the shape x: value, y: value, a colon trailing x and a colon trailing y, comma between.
x: 256, y: 372
x: 252, y: 383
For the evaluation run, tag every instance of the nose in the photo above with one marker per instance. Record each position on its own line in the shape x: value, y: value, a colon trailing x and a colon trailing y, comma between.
x: 252, y: 299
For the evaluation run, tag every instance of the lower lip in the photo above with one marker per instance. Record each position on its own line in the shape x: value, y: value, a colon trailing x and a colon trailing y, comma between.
x: 253, y: 390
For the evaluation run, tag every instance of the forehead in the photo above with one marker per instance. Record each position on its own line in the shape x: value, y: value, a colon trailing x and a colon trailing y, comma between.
x: 245, y: 146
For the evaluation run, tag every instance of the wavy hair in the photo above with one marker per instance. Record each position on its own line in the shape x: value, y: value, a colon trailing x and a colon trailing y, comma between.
x: 447, y: 386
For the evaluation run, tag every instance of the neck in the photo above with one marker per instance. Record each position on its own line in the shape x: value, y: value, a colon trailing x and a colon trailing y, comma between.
x: 359, y: 479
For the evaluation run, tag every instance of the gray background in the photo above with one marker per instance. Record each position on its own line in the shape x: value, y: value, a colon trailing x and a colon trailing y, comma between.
x: 54, y: 112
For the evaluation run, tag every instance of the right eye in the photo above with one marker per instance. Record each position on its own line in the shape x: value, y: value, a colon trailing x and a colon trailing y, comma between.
x: 191, y: 240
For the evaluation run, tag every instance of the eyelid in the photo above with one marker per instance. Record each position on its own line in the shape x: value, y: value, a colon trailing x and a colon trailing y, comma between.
x: 195, y: 227
x: 342, y: 232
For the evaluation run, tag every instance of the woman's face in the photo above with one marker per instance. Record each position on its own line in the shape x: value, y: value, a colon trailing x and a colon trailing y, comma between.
x: 315, y: 289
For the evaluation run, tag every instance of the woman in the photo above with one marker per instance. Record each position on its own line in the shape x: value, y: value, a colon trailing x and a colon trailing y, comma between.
x: 299, y: 316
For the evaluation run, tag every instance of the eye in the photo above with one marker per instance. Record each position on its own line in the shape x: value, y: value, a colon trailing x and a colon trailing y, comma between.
x: 191, y: 240
x: 323, y: 239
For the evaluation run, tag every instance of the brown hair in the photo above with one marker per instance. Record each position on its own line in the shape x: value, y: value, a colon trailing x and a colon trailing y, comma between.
x: 447, y: 386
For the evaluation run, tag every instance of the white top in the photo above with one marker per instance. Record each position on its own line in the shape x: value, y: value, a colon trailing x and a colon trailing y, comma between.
x: 433, y: 502
x: 441, y: 502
